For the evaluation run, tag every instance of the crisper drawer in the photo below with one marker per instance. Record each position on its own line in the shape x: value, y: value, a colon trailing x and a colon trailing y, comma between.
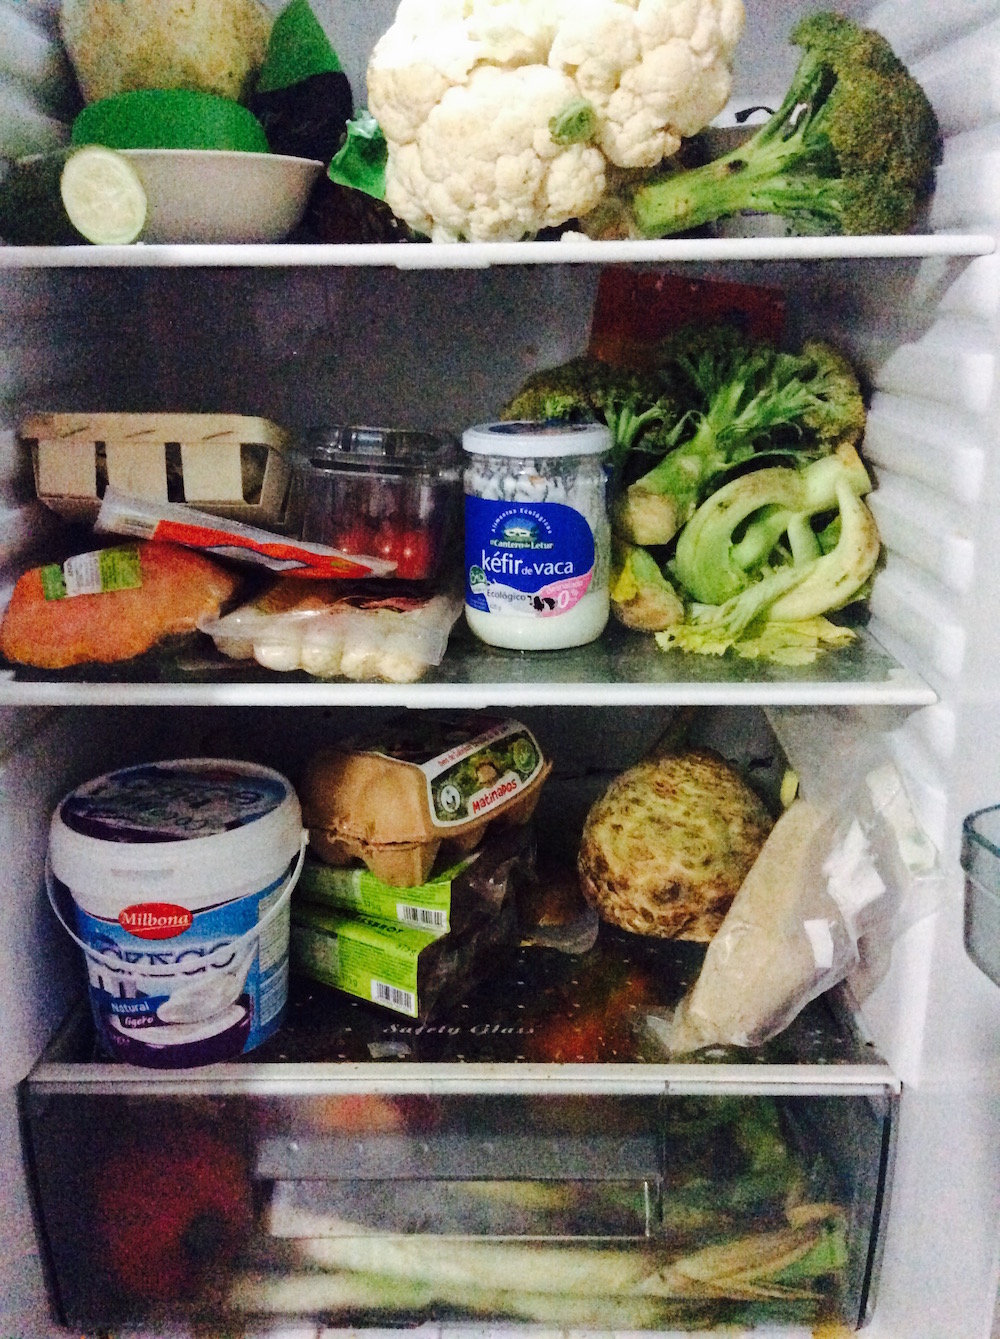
x: 317, y: 1201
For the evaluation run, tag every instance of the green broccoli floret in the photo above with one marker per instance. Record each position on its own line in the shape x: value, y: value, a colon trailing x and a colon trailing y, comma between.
x: 851, y: 149
x: 632, y: 402
x: 745, y: 399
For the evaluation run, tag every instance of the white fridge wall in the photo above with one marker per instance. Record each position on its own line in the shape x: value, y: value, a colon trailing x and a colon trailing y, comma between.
x: 929, y: 342
x: 444, y: 350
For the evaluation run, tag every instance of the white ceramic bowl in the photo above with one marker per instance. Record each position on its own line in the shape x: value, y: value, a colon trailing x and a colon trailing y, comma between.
x: 220, y: 195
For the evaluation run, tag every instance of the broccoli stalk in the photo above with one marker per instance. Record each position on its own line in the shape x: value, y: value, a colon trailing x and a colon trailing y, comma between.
x: 851, y: 149
x: 641, y: 596
x: 779, y: 615
x: 778, y: 504
x: 748, y: 399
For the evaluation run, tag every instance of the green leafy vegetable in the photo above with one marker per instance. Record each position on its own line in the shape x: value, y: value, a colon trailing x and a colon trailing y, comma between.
x: 725, y: 546
x: 297, y: 48
x: 746, y: 1225
x: 601, y: 1286
x: 360, y: 161
x: 302, y: 97
x: 642, y: 596
x: 716, y: 548
x: 575, y: 124
x: 743, y: 399
x: 778, y: 609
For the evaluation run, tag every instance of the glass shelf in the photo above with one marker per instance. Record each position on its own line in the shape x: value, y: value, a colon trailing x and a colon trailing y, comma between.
x: 621, y: 667
x: 482, y: 255
x: 591, y: 1010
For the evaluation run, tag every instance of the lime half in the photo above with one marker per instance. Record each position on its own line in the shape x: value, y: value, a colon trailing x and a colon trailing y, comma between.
x: 169, y: 118
x: 103, y: 196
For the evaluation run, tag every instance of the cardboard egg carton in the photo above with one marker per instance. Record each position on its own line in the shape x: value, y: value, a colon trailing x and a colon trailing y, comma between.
x: 228, y: 464
x: 392, y: 813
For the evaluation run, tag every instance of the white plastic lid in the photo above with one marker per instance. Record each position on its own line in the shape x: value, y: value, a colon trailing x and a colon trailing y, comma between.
x: 522, y: 438
x: 196, y: 831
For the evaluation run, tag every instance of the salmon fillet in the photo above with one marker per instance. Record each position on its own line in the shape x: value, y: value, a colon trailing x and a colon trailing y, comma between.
x: 179, y: 587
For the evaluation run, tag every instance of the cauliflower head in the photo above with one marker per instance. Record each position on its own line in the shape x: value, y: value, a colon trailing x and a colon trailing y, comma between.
x: 116, y: 46
x: 502, y: 117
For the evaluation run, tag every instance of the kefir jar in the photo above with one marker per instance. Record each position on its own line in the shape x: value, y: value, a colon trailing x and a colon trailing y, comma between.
x: 537, y: 535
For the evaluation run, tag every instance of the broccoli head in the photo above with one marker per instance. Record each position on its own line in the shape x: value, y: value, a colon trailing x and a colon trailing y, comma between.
x: 836, y: 412
x: 851, y: 149
x: 632, y: 402
x: 745, y: 399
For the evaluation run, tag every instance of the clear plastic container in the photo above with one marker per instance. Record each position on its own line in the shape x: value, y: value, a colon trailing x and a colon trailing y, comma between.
x: 389, y: 492
x: 981, y: 863
x: 381, y: 1209
x: 537, y: 535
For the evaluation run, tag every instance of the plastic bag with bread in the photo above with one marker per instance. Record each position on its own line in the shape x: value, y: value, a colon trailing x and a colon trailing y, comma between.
x: 790, y: 934
x: 846, y: 869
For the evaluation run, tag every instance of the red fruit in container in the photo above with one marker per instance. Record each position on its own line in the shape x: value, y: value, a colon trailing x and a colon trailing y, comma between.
x: 169, y: 1217
x: 400, y: 488
x: 415, y: 555
x: 387, y: 542
x: 357, y: 537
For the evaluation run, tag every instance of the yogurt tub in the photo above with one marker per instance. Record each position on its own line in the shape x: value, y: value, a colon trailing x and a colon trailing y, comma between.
x: 174, y: 879
x: 537, y: 535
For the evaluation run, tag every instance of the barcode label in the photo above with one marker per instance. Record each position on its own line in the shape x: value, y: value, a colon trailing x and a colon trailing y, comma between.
x: 437, y: 920
x: 402, y: 1001
x: 93, y: 573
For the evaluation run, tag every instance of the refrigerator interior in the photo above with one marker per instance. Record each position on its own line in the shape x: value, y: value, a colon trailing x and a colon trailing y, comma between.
x: 313, y: 341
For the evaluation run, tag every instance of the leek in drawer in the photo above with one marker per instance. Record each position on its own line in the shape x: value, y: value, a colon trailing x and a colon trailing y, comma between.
x: 618, y: 1288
